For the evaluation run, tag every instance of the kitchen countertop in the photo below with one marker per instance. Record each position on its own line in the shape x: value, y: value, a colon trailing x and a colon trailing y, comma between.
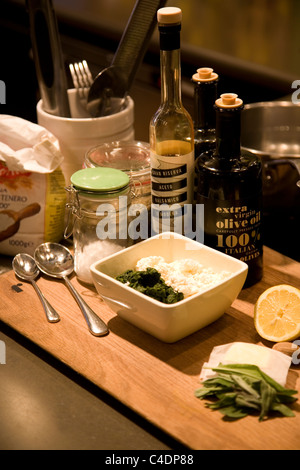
x: 45, y: 405
x: 80, y: 392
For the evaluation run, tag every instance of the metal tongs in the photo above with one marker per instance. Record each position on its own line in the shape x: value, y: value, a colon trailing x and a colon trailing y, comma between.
x: 48, y: 58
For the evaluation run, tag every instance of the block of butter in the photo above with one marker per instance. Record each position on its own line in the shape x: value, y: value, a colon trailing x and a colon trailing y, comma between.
x: 270, y: 361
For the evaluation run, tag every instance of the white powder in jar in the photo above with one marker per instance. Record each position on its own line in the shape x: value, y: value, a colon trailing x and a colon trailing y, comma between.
x: 91, y: 253
x: 5, y: 221
x: 186, y: 275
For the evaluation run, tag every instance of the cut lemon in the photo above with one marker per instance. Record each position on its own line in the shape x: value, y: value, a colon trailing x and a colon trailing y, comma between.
x: 277, y: 313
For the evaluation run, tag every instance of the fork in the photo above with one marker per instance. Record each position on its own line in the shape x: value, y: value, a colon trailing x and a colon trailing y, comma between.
x: 82, y: 79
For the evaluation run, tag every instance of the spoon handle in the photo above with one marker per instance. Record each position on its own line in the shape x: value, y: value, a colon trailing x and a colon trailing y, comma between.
x: 96, y: 326
x: 51, y: 314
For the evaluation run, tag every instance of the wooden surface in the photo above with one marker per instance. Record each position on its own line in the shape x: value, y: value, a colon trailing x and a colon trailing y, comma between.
x: 155, y: 379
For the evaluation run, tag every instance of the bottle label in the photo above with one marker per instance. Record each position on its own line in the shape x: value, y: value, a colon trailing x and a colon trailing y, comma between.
x: 172, y: 178
x: 234, y: 227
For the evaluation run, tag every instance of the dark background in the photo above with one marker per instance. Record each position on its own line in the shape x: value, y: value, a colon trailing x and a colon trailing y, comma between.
x: 254, y: 46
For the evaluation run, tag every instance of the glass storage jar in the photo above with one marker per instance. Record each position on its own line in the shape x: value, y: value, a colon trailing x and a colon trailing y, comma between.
x: 97, y: 216
x: 132, y: 157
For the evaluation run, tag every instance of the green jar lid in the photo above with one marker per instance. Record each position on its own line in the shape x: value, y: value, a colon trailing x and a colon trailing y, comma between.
x: 100, y: 179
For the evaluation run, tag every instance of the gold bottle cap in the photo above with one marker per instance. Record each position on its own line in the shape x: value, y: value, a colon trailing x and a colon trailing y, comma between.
x: 205, y: 74
x: 169, y: 15
x: 229, y: 100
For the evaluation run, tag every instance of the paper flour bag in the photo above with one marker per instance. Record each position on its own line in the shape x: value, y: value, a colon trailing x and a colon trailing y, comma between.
x: 32, y: 194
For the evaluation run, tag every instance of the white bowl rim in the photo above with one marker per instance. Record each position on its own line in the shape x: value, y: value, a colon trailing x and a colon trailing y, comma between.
x: 242, y: 264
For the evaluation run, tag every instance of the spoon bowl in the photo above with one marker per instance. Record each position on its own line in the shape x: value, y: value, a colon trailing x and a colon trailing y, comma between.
x: 54, y: 259
x: 57, y: 261
x: 108, y: 92
x: 26, y: 269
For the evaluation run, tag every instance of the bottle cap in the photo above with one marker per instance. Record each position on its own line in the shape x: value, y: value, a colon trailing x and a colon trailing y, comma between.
x: 229, y: 100
x: 169, y: 15
x: 205, y: 74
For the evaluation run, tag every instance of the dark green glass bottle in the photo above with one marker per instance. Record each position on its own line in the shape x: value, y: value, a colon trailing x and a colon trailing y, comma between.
x: 205, y: 94
x: 230, y: 187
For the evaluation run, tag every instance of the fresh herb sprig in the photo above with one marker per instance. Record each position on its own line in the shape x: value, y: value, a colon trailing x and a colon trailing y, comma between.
x: 242, y: 389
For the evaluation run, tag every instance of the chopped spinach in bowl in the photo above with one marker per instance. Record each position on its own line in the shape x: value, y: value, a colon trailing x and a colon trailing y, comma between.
x: 150, y: 282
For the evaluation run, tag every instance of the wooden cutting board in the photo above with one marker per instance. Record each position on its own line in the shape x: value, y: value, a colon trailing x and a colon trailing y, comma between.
x: 155, y: 379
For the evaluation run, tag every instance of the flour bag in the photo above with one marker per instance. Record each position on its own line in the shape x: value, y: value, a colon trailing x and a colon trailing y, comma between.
x: 32, y: 194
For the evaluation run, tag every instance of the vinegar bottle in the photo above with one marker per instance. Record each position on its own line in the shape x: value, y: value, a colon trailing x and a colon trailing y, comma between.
x: 230, y: 188
x: 171, y: 131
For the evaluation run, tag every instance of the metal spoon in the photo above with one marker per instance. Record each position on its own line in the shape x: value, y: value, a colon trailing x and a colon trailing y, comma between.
x: 56, y: 260
x: 26, y: 269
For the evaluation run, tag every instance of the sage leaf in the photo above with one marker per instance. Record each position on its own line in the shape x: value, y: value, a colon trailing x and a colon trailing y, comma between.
x: 241, y: 389
x: 233, y: 412
x: 220, y: 381
x: 267, y: 396
x: 242, y: 383
x: 245, y: 401
x: 225, y: 399
x: 283, y: 409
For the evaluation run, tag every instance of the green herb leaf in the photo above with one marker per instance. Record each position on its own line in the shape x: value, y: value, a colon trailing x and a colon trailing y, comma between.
x: 283, y: 409
x: 233, y: 412
x: 241, y: 389
x: 225, y: 399
x: 244, y: 385
x: 246, y: 401
x: 267, y: 397
x: 220, y: 381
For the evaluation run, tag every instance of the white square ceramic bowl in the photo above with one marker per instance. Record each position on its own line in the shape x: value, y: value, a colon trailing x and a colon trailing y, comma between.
x: 168, y: 323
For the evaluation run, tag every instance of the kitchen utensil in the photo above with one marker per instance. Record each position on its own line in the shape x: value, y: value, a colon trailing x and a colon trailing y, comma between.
x: 82, y: 79
x: 76, y: 136
x: 108, y: 92
x: 26, y: 269
x: 16, y: 218
x: 55, y: 260
x: 48, y: 58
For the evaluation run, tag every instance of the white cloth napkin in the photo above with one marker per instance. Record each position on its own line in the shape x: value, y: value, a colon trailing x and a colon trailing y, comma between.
x: 271, y: 362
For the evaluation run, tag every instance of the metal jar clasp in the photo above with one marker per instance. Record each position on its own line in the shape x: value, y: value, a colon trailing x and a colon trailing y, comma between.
x: 73, y: 210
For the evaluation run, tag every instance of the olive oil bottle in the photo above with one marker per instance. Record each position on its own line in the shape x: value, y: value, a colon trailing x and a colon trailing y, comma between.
x: 205, y: 94
x: 171, y: 131
x: 230, y: 188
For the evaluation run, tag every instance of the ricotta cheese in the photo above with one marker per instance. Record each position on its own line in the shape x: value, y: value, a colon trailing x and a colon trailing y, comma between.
x: 186, y: 275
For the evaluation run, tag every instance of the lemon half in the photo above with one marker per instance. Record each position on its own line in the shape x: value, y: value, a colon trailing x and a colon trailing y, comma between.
x: 277, y: 313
